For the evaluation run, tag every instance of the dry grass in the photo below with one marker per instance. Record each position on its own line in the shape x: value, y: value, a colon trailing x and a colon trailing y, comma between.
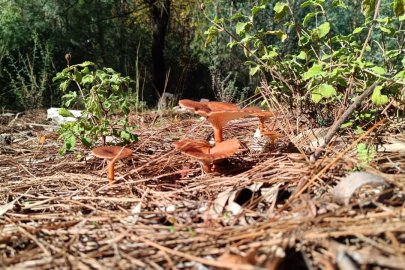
x: 162, y: 212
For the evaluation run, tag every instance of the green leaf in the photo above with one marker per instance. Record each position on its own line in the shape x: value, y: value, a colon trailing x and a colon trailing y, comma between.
x: 379, y: 70
x: 281, y: 11
x: 85, y: 64
x: 110, y: 70
x: 64, y: 85
x: 232, y: 44
x: 323, y: 29
x: 86, y: 70
x: 339, y: 3
x: 218, y: 21
x: 125, y: 135
x: 347, y: 124
x: 389, y: 30
x: 367, y: 7
x: 257, y: 9
x: 308, y: 17
x: 308, y: 3
x: 357, y: 30
x: 399, y: 6
x: 78, y: 76
x: 242, y: 28
x: 101, y: 74
x: 70, y: 142
x: 401, y: 18
x: 87, y: 79
x: 323, y: 90
x: 313, y: 71
x: 238, y: 15
x: 254, y: 70
x: 65, y: 112
x: 59, y: 76
x: 86, y: 141
x: 250, y: 63
x: 264, y: 2
x: 301, y: 56
x: 304, y: 40
x: 280, y: 34
x: 377, y: 98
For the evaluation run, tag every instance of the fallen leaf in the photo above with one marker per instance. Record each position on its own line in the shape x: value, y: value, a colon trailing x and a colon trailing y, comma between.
x: 349, y: 184
x: 8, y: 206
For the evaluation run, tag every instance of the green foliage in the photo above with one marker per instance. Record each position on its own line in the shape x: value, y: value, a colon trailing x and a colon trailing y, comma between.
x: 365, y: 153
x: 29, y: 75
x: 328, y: 66
x: 102, y: 93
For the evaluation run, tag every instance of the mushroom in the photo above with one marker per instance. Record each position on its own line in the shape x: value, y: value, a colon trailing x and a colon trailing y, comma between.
x: 112, y: 153
x: 273, y: 136
x: 217, y: 113
x: 263, y: 115
x: 204, y: 152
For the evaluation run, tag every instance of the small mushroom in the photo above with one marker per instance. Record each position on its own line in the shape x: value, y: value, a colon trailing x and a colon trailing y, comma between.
x: 273, y: 136
x: 263, y: 115
x: 217, y: 113
x: 112, y: 153
x: 204, y: 153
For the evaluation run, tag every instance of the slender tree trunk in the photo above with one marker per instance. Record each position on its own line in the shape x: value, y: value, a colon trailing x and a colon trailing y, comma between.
x: 160, y: 12
x: 100, y: 28
x: 122, y: 38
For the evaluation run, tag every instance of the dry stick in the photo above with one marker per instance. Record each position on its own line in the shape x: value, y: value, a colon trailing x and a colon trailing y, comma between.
x: 330, y: 164
x: 350, y: 110
x: 334, y: 129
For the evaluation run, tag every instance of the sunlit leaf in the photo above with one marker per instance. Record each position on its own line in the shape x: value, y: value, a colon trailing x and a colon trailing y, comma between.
x: 323, y: 29
x: 308, y: 3
x: 377, y: 98
x: 281, y: 11
x: 308, y: 17
x: 323, y: 90
x: 357, y: 30
x: 257, y: 9
x: 367, y: 7
x: 65, y: 112
x: 280, y: 34
x: 379, y: 70
x: 399, y: 6
x: 313, y: 71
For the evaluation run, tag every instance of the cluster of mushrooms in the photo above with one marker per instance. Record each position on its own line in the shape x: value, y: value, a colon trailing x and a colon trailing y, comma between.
x: 218, y: 114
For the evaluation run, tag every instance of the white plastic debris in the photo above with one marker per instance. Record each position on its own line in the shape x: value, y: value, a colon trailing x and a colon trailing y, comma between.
x: 52, y: 113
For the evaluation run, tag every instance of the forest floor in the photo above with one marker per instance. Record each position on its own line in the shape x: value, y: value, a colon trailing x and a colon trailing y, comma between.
x: 270, y: 210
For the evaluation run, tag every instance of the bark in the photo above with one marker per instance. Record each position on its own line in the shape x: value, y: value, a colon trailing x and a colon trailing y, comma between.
x: 160, y: 20
x: 100, y: 28
x: 122, y: 38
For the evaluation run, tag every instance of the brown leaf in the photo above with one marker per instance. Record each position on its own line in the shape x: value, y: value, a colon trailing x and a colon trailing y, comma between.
x: 348, y: 185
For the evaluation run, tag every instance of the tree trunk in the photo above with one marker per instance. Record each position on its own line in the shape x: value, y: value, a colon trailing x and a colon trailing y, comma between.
x: 122, y: 38
x: 100, y: 28
x: 160, y: 13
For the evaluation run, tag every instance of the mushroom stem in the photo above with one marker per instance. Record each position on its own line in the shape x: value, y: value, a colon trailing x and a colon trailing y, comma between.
x: 218, y: 135
x: 261, y: 126
x: 206, y: 165
x: 111, y: 173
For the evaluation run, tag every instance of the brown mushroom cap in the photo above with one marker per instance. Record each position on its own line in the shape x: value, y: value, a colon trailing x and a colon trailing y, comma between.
x: 110, y: 152
x: 263, y: 115
x: 202, y: 150
x: 217, y: 113
x: 273, y: 135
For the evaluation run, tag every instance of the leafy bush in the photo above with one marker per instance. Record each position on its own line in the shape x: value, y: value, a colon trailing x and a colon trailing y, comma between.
x: 102, y: 93
x: 329, y: 68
